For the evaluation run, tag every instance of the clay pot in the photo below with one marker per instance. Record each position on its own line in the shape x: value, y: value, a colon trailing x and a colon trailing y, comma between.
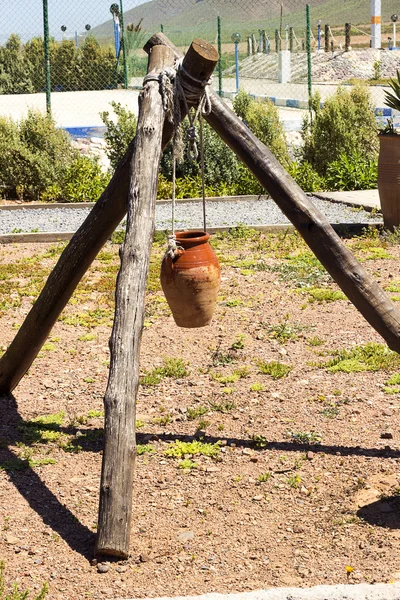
x: 191, y: 280
x: 389, y: 179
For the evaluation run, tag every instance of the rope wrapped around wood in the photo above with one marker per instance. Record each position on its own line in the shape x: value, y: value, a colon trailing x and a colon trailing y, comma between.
x: 178, y: 87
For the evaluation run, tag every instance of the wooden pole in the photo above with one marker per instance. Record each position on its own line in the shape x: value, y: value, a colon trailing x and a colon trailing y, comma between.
x: 81, y: 251
x: 116, y: 487
x: 366, y: 295
x: 120, y: 398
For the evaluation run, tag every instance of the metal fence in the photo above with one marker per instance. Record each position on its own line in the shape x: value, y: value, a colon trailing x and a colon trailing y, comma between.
x: 78, y: 56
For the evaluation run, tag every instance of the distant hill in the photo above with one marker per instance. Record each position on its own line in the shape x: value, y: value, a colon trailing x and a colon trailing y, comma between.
x: 185, y: 19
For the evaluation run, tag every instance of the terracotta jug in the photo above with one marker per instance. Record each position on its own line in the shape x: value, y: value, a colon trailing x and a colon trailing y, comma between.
x: 191, y: 279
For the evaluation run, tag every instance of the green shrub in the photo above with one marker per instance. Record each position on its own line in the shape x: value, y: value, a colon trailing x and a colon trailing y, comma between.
x: 118, y: 134
x: 241, y: 104
x: 344, y: 126
x: 84, y: 181
x: 262, y: 118
x: 34, y: 155
x: 190, y: 187
x: 220, y: 163
x: 352, y: 172
x: 306, y: 177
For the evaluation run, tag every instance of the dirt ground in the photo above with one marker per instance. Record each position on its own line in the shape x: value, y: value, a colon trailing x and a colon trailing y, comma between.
x: 290, y: 391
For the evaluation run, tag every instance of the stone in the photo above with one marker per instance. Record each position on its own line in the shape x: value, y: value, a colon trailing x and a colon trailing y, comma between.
x: 185, y: 536
x: 103, y: 567
x: 386, y: 435
x: 11, y: 539
x: 144, y: 557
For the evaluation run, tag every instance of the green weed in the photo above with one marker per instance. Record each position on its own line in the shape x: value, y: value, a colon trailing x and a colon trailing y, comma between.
x: 180, y: 449
x: 322, y: 295
x: 15, y: 593
x: 239, y: 343
x: 275, y: 369
x: 302, y: 270
x: 315, y: 341
x: 370, y: 357
x: 263, y: 477
x: 187, y: 464
x: 260, y: 441
x: 284, y: 331
x: 294, y: 481
x: 257, y: 387
x: 172, y: 367
x: 305, y: 437
x: 194, y: 413
x: 144, y: 449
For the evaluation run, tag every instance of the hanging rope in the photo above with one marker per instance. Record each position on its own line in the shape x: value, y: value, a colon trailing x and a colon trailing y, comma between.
x: 187, y: 90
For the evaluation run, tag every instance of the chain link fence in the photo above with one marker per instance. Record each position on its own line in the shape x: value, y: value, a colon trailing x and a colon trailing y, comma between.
x: 96, y: 46
x: 74, y: 58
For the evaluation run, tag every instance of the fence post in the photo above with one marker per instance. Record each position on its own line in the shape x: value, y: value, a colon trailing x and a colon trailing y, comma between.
x: 326, y: 38
x: 276, y: 40
x: 291, y: 39
x: 124, y: 49
x: 220, y: 55
x: 347, y: 28
x: 162, y: 28
x: 47, y: 54
x: 308, y: 45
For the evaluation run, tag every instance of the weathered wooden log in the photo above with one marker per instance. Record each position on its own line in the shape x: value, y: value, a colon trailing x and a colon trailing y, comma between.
x: 366, y: 295
x: 116, y: 489
x: 120, y: 398
x: 77, y: 257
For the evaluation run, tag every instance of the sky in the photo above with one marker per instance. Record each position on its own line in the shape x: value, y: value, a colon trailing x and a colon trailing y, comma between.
x: 25, y: 17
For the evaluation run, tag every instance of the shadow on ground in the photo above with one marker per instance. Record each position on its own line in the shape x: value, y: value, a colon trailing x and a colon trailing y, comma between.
x: 384, y: 513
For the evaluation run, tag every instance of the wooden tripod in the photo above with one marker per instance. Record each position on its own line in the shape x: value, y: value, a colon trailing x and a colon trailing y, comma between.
x: 133, y: 188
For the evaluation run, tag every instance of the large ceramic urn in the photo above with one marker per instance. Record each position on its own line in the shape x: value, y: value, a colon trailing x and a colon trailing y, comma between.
x: 191, y: 279
x: 389, y: 179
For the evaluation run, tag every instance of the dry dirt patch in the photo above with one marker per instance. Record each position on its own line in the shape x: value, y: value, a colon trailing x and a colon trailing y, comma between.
x: 295, y: 480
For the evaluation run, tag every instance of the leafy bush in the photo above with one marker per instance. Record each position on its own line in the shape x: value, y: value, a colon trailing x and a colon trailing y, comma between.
x: 118, y: 134
x: 241, y: 104
x: 344, y: 126
x: 352, y: 172
x: 220, y: 163
x: 89, y: 67
x: 83, y: 181
x: 191, y: 187
x: 34, y: 155
x: 306, y: 177
x: 262, y: 118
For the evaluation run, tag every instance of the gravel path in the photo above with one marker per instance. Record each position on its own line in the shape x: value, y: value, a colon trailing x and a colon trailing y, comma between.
x: 188, y: 215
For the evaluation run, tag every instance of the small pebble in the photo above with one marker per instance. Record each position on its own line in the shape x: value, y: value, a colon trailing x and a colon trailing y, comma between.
x: 103, y: 567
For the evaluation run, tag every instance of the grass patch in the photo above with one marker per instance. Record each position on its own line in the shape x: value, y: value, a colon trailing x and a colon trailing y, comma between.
x: 187, y: 464
x: 321, y: 295
x: 144, y: 449
x: 237, y: 374
x: 273, y: 368
x: 187, y: 449
x: 89, y: 319
x: 370, y: 357
x: 172, y: 367
x: 194, y: 413
x: 263, y: 477
x: 302, y: 270
x: 305, y: 437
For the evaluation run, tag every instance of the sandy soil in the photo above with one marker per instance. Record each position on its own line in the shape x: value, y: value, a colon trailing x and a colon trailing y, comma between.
x: 304, y: 487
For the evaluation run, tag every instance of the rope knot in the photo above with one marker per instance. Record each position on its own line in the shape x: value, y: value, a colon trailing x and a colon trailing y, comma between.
x: 174, y: 249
